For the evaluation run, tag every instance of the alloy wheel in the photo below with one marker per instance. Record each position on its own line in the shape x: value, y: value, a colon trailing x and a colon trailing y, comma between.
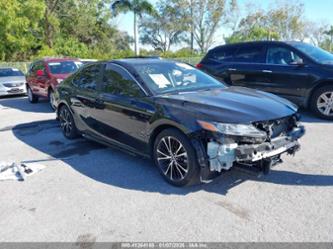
x: 325, y: 103
x: 65, y: 121
x: 172, y: 158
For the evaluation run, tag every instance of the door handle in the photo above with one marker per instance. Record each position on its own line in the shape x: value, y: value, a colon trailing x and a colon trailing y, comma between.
x: 267, y: 71
x: 232, y: 69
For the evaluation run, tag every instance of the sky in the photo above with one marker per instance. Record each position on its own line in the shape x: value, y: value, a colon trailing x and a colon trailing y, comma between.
x: 315, y: 10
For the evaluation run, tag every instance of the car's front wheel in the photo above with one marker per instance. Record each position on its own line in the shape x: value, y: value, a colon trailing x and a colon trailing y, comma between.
x: 67, y: 123
x: 176, y: 158
x: 322, y: 102
x: 31, y: 96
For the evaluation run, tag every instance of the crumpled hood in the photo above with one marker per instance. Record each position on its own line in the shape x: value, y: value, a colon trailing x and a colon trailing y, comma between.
x: 231, y: 105
x: 12, y: 79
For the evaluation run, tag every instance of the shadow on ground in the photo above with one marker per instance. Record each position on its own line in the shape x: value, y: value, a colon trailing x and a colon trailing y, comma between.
x: 117, y: 168
x: 22, y: 104
x: 308, y: 117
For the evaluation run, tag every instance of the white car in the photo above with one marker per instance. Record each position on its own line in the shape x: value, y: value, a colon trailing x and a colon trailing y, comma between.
x: 12, y: 82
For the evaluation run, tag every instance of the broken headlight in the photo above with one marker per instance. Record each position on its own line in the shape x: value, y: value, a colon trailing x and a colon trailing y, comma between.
x: 246, y: 130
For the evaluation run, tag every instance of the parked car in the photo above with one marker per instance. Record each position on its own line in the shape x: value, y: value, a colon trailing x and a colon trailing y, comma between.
x: 192, y: 126
x: 45, y: 75
x: 87, y: 61
x: 297, y: 71
x: 12, y: 81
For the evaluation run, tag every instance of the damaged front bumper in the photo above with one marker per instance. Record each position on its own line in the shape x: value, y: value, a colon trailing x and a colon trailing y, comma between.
x: 223, y: 156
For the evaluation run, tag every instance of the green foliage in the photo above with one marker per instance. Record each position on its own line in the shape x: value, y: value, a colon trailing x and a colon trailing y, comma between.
x: 282, y: 21
x: 204, y: 17
x: 77, y: 28
x: 19, y: 28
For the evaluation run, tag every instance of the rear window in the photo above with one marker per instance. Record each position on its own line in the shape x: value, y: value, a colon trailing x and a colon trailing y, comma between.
x: 223, y: 54
x: 64, y: 67
x: 9, y: 72
x: 254, y: 54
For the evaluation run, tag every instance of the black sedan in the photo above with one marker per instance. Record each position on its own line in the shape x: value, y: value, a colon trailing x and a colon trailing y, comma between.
x: 192, y: 126
x: 297, y: 71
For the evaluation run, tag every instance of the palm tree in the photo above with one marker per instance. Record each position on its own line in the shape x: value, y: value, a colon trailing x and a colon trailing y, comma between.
x: 138, y: 7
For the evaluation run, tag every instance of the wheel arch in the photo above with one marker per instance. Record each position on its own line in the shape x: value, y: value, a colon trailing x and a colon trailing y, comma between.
x: 157, y: 129
x: 62, y: 103
x: 313, y: 90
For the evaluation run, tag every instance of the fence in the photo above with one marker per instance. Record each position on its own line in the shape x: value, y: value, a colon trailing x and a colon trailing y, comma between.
x: 24, y: 66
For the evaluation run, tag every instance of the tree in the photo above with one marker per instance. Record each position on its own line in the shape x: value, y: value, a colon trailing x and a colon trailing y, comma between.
x: 20, y: 30
x: 330, y: 34
x: 283, y: 21
x: 287, y: 18
x: 138, y: 7
x: 161, y: 30
x: 205, y: 17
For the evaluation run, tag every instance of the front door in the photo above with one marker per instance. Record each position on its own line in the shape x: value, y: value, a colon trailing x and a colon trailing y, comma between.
x: 289, y: 74
x: 126, y: 109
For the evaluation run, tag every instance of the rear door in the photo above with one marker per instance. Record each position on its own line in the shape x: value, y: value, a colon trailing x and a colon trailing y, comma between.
x: 126, y: 110
x: 248, y: 68
x: 218, y: 62
x: 84, y: 99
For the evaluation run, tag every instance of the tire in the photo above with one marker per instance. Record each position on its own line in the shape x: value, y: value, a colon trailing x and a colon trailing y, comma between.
x: 67, y: 123
x: 321, y: 102
x: 181, y: 170
x: 31, y: 96
x: 52, y: 99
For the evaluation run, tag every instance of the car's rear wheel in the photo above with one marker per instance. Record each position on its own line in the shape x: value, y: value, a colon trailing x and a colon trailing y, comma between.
x: 67, y: 123
x: 31, y: 96
x: 322, y: 102
x: 52, y: 100
x: 176, y: 158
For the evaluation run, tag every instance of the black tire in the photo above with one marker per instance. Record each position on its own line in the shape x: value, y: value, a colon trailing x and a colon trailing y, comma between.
x: 67, y: 123
x: 31, y: 96
x: 179, y: 170
x: 51, y: 99
x: 317, y: 98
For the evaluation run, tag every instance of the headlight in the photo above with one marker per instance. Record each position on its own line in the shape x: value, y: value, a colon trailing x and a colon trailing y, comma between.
x: 247, y: 130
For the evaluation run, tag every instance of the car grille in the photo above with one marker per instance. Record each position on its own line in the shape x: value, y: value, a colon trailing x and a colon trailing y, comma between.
x: 278, y: 127
x: 13, y: 84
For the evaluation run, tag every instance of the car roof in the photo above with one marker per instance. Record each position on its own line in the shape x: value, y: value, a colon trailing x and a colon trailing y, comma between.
x: 291, y: 43
x: 58, y: 59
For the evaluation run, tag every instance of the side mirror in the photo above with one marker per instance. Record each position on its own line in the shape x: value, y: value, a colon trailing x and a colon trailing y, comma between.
x: 40, y: 73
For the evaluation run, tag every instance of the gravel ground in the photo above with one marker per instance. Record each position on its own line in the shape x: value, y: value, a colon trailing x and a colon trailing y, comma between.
x: 88, y: 192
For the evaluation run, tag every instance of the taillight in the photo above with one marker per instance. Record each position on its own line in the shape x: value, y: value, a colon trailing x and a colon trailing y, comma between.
x: 199, y: 66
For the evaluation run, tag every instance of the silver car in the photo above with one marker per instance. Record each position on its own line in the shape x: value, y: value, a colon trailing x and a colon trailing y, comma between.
x: 12, y: 82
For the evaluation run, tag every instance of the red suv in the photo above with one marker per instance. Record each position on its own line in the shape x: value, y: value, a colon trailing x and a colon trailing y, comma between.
x: 45, y: 75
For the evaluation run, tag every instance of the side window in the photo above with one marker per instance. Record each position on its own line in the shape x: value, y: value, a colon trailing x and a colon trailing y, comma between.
x: 118, y: 82
x: 37, y: 66
x: 223, y: 54
x: 254, y: 54
x: 281, y: 56
x: 88, y: 77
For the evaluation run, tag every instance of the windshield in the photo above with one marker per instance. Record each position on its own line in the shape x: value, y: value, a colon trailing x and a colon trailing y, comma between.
x: 64, y: 67
x: 317, y: 54
x: 174, y: 77
x: 9, y: 72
